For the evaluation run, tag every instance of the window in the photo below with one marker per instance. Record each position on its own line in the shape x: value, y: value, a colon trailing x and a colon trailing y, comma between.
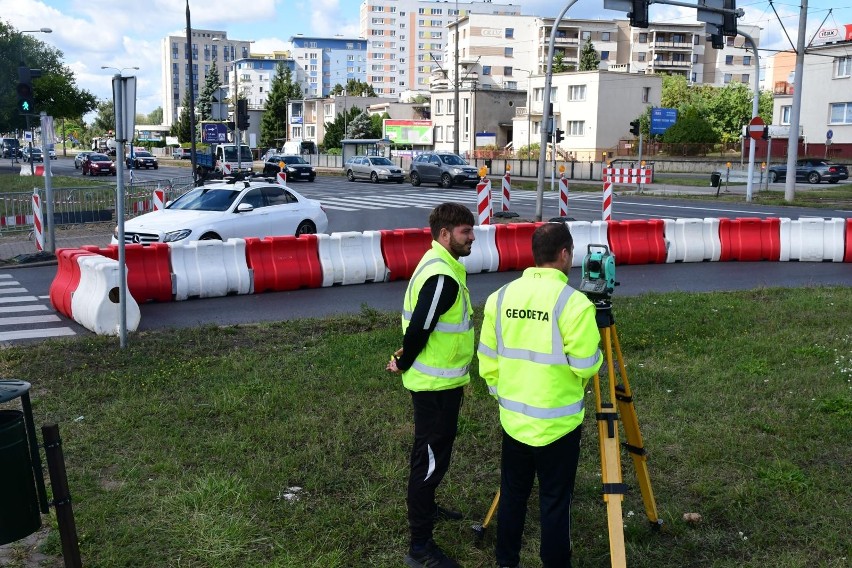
x: 585, y: 35
x: 646, y: 94
x: 730, y: 42
x: 486, y: 70
x: 643, y: 37
x: 641, y: 56
x: 841, y: 113
x: 575, y: 128
x: 728, y: 78
x: 439, y: 106
x: 507, y: 71
x: 604, y: 55
x: 508, y: 51
x: 509, y: 33
x: 745, y: 78
x: 439, y: 134
x: 604, y: 36
x: 508, y: 85
x: 785, y: 114
x: 843, y: 67
x: 576, y: 92
x: 729, y: 60
x: 746, y: 59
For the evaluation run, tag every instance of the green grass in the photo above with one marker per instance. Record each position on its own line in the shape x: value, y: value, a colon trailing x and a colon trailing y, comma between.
x: 185, y: 449
x: 16, y: 183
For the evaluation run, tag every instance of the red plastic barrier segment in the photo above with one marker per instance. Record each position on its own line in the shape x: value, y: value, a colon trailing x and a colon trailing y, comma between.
x: 750, y: 239
x: 149, y: 277
x: 514, y: 245
x: 402, y: 249
x: 66, y: 280
x: 637, y: 241
x: 847, y: 257
x: 284, y: 263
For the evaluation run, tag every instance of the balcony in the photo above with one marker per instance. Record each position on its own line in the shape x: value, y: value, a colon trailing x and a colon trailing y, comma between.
x: 670, y: 63
x: 782, y: 88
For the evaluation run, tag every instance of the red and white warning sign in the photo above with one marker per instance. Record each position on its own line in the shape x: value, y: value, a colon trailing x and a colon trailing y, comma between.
x: 755, y: 128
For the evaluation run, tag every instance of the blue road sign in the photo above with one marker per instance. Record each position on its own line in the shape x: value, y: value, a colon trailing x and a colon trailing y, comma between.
x: 829, y: 135
x: 662, y: 119
x: 214, y: 132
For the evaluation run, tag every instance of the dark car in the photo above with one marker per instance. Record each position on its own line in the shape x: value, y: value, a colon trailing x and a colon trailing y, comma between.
x: 142, y: 159
x: 443, y: 168
x: 294, y: 166
x: 811, y: 170
x: 33, y: 154
x: 10, y: 148
x: 373, y: 168
x: 98, y: 164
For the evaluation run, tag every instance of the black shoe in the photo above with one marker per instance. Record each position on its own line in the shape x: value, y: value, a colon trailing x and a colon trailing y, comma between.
x: 442, y: 514
x: 429, y: 556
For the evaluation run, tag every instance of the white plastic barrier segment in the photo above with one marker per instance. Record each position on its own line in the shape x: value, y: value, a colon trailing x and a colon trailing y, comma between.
x: 812, y: 239
x: 712, y: 241
x: 483, y: 255
x: 685, y: 238
x: 95, y: 302
x: 584, y: 234
x: 350, y: 258
x: 209, y: 269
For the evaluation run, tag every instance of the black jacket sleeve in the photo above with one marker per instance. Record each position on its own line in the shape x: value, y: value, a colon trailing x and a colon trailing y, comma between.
x: 437, y: 295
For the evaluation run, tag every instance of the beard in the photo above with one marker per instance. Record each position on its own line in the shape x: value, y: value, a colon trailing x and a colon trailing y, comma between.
x: 460, y: 248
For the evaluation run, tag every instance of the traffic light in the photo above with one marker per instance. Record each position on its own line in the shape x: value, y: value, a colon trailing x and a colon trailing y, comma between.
x: 242, y: 114
x: 717, y: 41
x: 26, y: 104
x: 765, y: 135
x: 639, y: 14
x: 729, y: 21
x: 560, y: 135
x: 634, y: 128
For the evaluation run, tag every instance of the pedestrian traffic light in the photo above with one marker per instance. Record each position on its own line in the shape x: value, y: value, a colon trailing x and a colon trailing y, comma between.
x: 639, y: 14
x: 26, y: 104
x: 634, y: 128
x: 560, y: 135
x: 242, y: 114
x: 717, y: 41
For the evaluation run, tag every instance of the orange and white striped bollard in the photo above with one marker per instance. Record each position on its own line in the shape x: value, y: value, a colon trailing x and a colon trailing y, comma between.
x: 563, y: 192
x: 37, y: 222
x: 483, y: 197
x: 607, y: 195
x: 159, y: 199
x: 507, y: 190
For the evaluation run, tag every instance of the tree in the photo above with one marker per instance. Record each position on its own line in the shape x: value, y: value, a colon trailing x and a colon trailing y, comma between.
x: 335, y: 131
x: 205, y: 99
x: 183, y: 127
x: 589, y: 58
x: 691, y: 128
x: 354, y: 88
x: 559, y: 65
x: 360, y: 127
x: 273, y: 125
x: 105, y: 119
x: 56, y: 91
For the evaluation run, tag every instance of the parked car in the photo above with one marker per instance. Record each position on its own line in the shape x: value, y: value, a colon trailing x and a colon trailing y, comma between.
x: 810, y: 170
x: 142, y: 159
x: 78, y: 159
x: 98, y: 164
x: 229, y: 210
x: 182, y: 153
x: 443, y: 168
x: 295, y: 166
x: 373, y: 168
x: 51, y: 153
x: 33, y: 154
x: 10, y: 148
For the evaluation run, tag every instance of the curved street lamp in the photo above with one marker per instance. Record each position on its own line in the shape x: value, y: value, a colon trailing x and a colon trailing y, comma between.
x: 120, y: 70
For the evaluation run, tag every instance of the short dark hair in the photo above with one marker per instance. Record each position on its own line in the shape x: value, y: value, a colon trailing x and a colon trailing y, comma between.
x: 448, y: 216
x: 548, y: 241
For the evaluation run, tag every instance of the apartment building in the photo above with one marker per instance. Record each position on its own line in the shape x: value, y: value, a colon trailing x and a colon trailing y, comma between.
x: 208, y: 47
x: 255, y: 75
x: 323, y: 62
x: 406, y: 39
x: 309, y: 115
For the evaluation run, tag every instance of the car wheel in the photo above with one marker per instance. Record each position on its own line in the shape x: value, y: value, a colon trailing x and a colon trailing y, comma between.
x: 306, y: 228
x: 773, y: 177
x: 349, y: 175
x: 157, y: 166
x: 813, y: 177
x: 374, y: 177
x: 446, y: 181
x: 210, y: 237
x: 415, y: 179
x: 312, y: 178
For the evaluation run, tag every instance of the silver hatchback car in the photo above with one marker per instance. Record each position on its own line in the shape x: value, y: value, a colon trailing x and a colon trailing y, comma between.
x: 373, y: 168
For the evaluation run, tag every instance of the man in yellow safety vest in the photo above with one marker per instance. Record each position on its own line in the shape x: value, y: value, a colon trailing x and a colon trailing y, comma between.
x: 437, y: 349
x: 538, y: 349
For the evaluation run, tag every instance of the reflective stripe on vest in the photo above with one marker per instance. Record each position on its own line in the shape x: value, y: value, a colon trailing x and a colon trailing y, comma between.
x: 544, y: 413
x: 441, y: 373
x: 466, y: 323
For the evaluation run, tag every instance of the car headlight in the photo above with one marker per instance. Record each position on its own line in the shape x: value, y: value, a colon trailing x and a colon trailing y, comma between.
x: 457, y: 170
x: 173, y: 236
x: 383, y: 171
x: 291, y: 169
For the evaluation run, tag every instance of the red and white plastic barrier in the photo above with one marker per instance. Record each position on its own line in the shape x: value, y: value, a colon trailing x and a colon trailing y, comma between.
x: 507, y: 192
x: 351, y: 258
x: 483, y: 201
x: 281, y: 178
x: 95, y: 304
x: 227, y: 169
x: 563, y: 196
x: 607, y: 200
x: 159, y: 199
x: 209, y: 269
x: 628, y: 175
x: 483, y: 255
x: 37, y: 224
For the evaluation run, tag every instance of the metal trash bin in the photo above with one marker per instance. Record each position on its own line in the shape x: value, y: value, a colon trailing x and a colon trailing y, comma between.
x: 20, y: 501
x: 715, y: 179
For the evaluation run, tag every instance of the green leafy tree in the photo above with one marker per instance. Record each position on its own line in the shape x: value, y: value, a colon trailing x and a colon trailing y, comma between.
x: 360, y: 127
x: 155, y: 116
x: 335, y: 131
x: 183, y: 127
x: 691, y: 128
x: 55, y: 92
x: 354, y: 88
x: 208, y: 91
x: 104, y: 119
x: 273, y: 125
x: 589, y: 58
x: 559, y: 65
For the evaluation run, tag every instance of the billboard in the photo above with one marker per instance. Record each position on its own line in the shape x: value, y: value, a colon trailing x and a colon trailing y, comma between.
x: 832, y: 35
x: 404, y: 131
x: 662, y: 119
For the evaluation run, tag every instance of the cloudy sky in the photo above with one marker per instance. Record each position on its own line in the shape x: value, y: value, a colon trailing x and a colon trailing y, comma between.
x: 129, y: 34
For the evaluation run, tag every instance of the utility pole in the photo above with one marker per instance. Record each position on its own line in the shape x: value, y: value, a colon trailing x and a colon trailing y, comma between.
x: 793, y: 138
x: 456, y: 96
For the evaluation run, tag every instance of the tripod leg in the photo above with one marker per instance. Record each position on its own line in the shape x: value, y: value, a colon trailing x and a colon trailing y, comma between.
x: 634, y: 443
x: 479, y: 529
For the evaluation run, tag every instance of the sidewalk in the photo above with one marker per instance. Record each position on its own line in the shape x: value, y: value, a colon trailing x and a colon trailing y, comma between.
x: 16, y: 249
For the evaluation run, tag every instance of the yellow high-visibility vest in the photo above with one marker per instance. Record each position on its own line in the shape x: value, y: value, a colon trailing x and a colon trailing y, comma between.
x: 444, y: 362
x: 538, y: 348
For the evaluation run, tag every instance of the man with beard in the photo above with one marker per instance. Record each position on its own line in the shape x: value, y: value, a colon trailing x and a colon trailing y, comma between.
x: 437, y: 349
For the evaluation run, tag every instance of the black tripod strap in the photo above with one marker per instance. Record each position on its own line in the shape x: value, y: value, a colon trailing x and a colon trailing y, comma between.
x: 611, y: 418
x: 634, y: 449
x: 615, y: 489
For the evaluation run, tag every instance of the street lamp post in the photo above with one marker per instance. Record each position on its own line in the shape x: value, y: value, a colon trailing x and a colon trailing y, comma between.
x: 27, y: 117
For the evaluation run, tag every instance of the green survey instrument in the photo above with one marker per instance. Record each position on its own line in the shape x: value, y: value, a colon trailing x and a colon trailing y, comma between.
x: 598, y: 280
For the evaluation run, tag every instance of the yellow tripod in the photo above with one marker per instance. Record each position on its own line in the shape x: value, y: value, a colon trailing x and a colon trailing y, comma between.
x: 607, y: 414
x: 620, y: 401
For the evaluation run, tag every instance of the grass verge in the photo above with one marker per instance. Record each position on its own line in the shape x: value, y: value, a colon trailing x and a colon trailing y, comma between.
x: 286, y: 444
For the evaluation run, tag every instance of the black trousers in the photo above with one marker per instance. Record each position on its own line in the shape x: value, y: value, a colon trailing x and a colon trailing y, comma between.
x: 436, y: 415
x: 556, y: 467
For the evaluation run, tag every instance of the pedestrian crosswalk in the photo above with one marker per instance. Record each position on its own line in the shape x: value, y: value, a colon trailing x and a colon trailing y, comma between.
x: 422, y: 199
x: 25, y: 316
